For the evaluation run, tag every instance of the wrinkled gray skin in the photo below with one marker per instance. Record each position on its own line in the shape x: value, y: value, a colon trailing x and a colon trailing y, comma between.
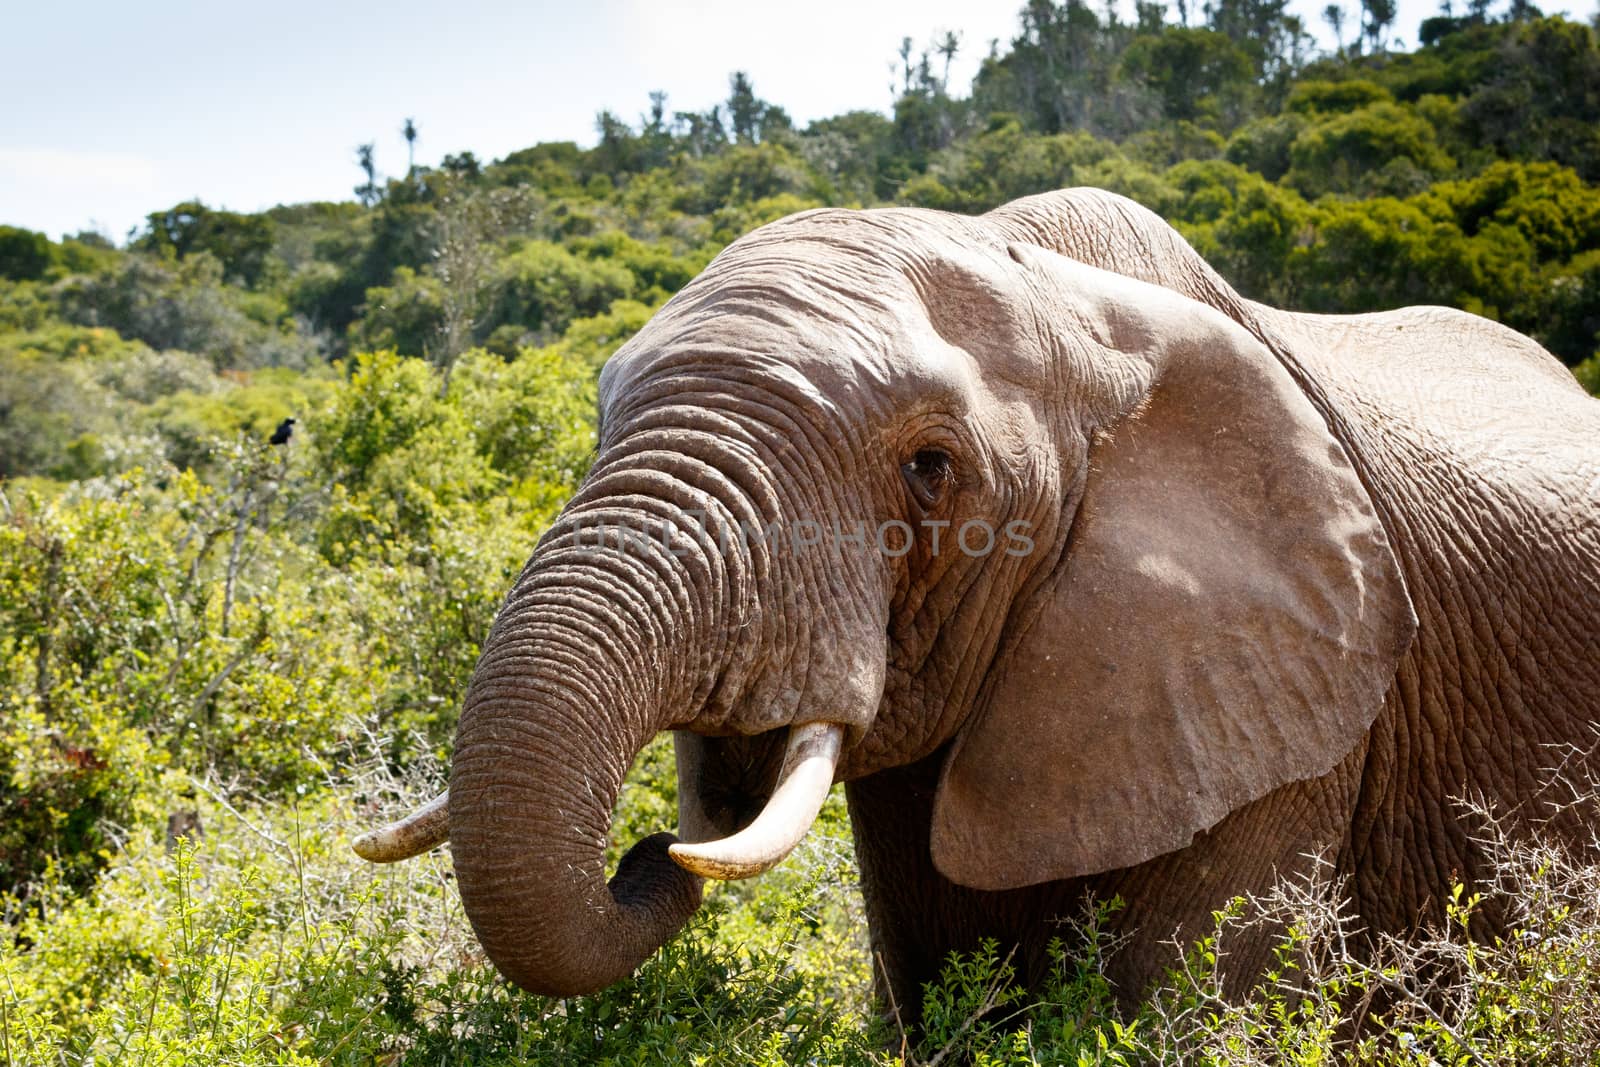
x: 1296, y: 582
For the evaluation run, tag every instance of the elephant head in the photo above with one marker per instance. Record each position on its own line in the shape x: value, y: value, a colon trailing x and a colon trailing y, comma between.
x: 880, y: 484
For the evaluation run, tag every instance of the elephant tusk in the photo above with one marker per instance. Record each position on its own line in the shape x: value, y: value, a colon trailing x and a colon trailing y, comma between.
x: 803, y: 783
x: 413, y: 835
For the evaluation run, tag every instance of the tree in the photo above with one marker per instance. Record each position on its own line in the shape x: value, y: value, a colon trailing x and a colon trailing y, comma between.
x: 243, y: 243
x: 1541, y: 95
x: 463, y: 165
x: 618, y: 150
x: 855, y: 152
x: 1266, y: 31
x: 656, y: 136
x: 1150, y: 16
x: 24, y: 254
x: 409, y: 132
x: 1377, y: 17
x: 1358, y: 151
x: 744, y: 109
x: 701, y: 132
x: 753, y: 119
x: 1333, y: 16
x: 367, y: 191
x: 947, y: 47
x: 1197, y: 74
x: 1062, y: 74
x: 905, y: 65
x: 464, y: 259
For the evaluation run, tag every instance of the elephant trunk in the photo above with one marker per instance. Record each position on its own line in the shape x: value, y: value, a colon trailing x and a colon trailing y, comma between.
x: 642, y: 611
x: 578, y: 675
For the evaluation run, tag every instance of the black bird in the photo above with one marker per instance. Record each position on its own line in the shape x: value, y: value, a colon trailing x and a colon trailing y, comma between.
x: 281, y: 435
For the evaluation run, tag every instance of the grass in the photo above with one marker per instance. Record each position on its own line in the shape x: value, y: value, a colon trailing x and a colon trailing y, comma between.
x: 265, y: 942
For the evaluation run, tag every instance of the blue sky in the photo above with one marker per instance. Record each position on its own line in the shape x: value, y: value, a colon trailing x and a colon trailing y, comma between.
x: 114, y: 110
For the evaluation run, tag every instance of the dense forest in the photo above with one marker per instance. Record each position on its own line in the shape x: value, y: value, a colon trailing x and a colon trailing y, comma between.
x: 224, y: 651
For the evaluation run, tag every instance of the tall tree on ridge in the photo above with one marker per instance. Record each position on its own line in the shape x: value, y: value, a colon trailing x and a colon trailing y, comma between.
x: 1333, y: 15
x: 744, y: 109
x: 947, y: 47
x: 1377, y: 17
x: 367, y: 191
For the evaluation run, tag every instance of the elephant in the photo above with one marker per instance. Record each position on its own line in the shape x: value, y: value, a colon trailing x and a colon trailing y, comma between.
x: 1086, y: 576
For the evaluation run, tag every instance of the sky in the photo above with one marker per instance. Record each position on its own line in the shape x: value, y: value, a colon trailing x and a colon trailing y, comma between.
x: 114, y: 110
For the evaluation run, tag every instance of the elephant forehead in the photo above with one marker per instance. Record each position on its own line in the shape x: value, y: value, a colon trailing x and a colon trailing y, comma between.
x: 812, y: 338
x: 744, y: 350
x: 882, y: 304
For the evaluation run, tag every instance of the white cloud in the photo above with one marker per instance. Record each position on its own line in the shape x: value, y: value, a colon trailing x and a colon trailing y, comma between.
x: 52, y: 165
x: 61, y: 190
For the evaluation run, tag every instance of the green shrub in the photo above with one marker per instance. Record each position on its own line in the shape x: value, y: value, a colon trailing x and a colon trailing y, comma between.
x: 543, y: 286
x: 1334, y: 97
x: 186, y: 306
x: 266, y: 941
x: 1380, y: 149
x: 1263, y: 145
x: 407, y: 315
x: 25, y: 255
x: 252, y: 944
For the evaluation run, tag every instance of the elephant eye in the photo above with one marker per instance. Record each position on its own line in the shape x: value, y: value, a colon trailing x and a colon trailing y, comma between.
x: 928, y: 475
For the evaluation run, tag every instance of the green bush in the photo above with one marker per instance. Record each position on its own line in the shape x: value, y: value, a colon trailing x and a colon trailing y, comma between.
x: 406, y: 315
x: 263, y: 940
x: 543, y: 287
x: 1375, y: 150
x: 1198, y: 74
x: 243, y: 244
x: 1335, y: 97
x: 186, y: 306
x: 25, y: 255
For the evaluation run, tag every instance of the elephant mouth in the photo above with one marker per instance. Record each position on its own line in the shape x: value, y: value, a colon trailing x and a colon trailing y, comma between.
x: 725, y: 782
x: 810, y: 760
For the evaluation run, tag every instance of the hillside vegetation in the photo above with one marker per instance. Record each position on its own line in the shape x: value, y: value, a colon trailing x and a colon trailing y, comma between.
x: 221, y: 658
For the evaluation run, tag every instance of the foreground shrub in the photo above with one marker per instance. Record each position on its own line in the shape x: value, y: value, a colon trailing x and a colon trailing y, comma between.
x: 263, y: 940
x: 1332, y: 996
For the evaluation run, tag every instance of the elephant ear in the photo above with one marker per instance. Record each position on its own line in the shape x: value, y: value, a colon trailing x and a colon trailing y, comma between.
x: 1226, y: 618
